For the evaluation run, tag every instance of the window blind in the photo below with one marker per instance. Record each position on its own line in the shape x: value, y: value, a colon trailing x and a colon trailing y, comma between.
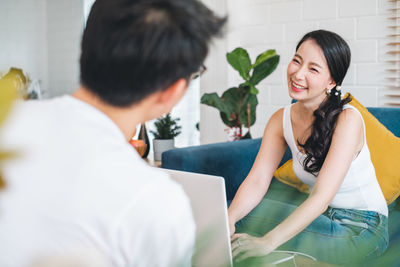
x: 392, y: 91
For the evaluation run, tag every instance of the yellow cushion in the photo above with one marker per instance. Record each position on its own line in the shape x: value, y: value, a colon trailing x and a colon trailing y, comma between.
x: 286, y: 175
x: 384, y: 147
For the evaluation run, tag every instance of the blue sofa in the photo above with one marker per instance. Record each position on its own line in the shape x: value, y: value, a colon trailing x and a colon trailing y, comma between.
x: 233, y: 160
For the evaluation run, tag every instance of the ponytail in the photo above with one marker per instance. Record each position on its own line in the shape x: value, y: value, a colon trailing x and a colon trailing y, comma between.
x: 317, y: 145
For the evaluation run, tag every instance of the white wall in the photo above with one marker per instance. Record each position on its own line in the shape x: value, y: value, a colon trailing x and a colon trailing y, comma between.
x: 65, y: 20
x: 42, y: 37
x: 258, y: 25
x: 23, y: 38
x: 214, y: 80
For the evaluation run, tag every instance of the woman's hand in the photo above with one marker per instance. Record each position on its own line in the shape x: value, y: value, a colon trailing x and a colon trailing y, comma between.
x: 245, y: 246
x: 232, y: 227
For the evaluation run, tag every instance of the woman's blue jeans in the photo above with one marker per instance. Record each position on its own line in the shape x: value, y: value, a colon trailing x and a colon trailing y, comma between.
x: 339, y: 236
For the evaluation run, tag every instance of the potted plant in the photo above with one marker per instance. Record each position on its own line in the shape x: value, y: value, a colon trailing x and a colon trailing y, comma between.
x: 237, y: 105
x: 8, y: 94
x: 26, y: 88
x: 167, y: 129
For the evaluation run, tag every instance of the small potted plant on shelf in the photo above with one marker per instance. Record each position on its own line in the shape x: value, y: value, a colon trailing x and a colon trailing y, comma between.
x: 167, y: 129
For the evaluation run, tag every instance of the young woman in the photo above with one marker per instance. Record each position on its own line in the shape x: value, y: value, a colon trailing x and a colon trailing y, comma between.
x: 344, y: 218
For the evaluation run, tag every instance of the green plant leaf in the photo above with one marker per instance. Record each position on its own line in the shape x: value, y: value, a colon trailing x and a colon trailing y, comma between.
x: 8, y: 93
x: 231, y: 98
x: 215, y: 101
x: 166, y: 127
x: 2, y: 181
x: 264, y: 69
x: 264, y: 56
x: 7, y: 155
x: 240, y: 61
x: 249, y: 103
x: 253, y: 90
x: 7, y: 96
x: 237, y: 105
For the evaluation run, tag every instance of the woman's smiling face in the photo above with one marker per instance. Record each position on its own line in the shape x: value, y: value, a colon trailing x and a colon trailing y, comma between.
x: 308, y: 74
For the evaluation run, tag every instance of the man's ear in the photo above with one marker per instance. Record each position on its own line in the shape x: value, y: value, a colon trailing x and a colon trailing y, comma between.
x: 171, y: 96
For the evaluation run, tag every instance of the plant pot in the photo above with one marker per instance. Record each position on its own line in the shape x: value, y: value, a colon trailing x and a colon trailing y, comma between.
x: 161, y: 145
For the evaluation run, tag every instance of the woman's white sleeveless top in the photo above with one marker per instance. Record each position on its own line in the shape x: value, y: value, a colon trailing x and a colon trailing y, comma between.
x: 360, y: 189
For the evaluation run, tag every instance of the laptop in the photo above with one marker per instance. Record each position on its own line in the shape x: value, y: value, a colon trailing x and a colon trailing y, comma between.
x: 213, y: 247
x: 208, y: 201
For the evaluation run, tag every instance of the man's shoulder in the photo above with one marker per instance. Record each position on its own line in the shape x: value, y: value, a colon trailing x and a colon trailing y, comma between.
x: 125, y: 171
x: 28, y: 114
x: 123, y: 161
x: 37, y: 106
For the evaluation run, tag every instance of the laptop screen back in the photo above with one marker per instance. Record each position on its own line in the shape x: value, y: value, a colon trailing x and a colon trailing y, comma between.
x: 208, y: 201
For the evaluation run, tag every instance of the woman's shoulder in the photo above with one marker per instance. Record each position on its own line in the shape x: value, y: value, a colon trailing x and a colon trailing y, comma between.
x: 274, y: 124
x: 278, y: 115
x: 349, y: 123
x: 350, y: 116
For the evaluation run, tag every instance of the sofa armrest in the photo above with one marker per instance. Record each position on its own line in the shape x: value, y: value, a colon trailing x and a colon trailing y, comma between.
x: 231, y: 160
x: 388, y: 117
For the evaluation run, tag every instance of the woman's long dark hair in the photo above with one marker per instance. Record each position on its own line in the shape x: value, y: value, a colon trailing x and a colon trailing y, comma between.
x: 337, y: 54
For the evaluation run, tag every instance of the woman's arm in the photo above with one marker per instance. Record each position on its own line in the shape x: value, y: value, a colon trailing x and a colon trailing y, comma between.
x: 347, y: 141
x: 256, y: 184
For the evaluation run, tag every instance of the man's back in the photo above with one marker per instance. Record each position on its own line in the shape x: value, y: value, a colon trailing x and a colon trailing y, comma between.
x: 77, y: 188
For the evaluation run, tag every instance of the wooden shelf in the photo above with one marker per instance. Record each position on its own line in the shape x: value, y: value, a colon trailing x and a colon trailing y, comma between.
x: 150, y: 160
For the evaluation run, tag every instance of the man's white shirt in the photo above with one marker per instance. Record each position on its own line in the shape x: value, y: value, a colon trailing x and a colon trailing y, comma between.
x: 76, y: 187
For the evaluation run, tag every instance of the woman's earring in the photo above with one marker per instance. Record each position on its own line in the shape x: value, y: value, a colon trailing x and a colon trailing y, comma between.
x: 328, y: 92
x: 338, y: 87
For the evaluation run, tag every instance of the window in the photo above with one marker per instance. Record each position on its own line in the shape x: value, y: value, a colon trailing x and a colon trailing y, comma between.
x: 188, y: 110
x: 392, y: 92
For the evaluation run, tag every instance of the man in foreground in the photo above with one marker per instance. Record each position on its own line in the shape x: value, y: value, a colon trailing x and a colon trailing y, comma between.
x: 77, y: 190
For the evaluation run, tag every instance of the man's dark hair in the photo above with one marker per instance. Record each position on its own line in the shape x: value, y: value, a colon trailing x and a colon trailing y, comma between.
x: 132, y: 48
